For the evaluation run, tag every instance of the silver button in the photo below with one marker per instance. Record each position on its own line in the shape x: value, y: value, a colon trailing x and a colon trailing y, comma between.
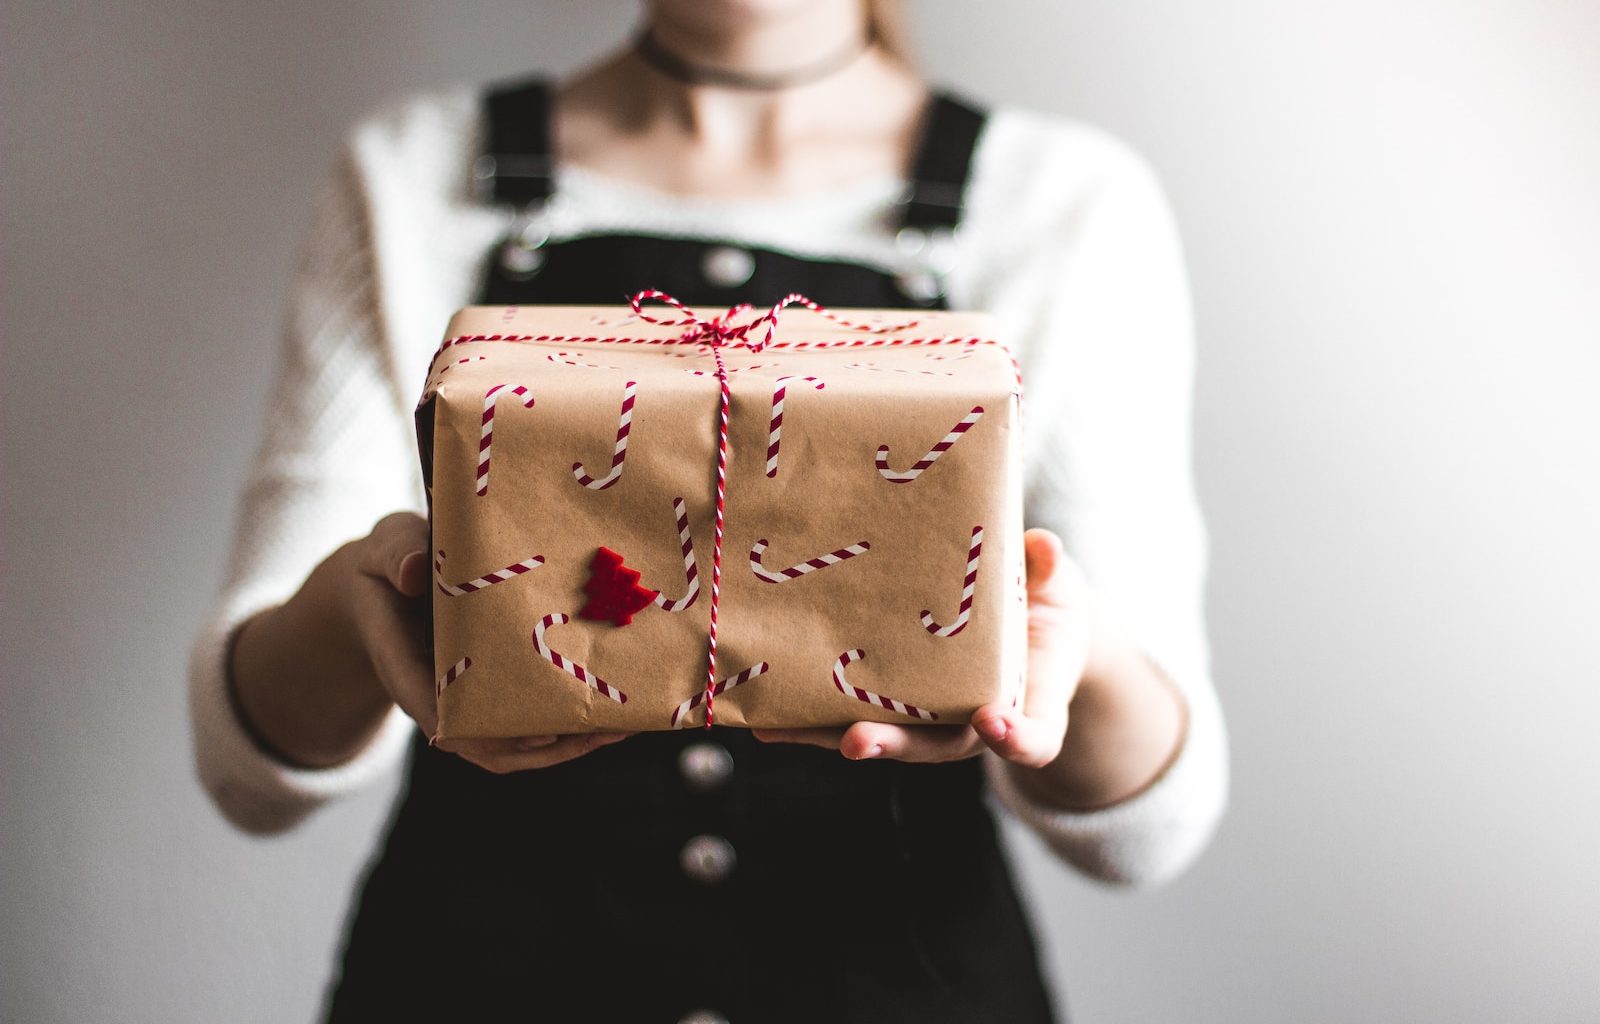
x: 920, y: 286
x: 520, y: 260
x: 705, y: 766
x: 707, y: 859
x: 727, y: 267
x: 910, y: 241
x: 702, y: 1017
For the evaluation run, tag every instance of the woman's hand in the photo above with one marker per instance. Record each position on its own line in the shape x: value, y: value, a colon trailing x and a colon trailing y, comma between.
x: 1032, y: 735
x: 317, y: 676
x: 1127, y: 720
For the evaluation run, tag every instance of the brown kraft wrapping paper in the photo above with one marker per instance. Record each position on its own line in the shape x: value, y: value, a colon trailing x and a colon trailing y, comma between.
x: 888, y: 546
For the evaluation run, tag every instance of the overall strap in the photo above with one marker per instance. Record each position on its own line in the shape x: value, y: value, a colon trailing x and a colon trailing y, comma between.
x: 517, y: 168
x: 943, y: 164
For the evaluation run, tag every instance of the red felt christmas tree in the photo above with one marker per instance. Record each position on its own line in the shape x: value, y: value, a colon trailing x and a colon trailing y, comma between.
x: 614, y: 590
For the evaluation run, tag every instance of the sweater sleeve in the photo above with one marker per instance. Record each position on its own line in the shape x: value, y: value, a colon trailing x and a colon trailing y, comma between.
x: 1108, y: 360
x: 335, y: 457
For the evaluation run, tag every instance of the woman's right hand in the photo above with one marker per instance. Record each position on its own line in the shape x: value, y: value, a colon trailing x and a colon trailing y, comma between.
x: 317, y: 676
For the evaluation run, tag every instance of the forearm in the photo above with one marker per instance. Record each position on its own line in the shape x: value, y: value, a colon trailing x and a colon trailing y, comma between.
x: 1126, y: 724
x: 300, y: 682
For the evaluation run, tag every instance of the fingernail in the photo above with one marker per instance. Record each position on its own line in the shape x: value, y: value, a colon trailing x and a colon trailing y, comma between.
x: 869, y: 753
x: 534, y: 742
x: 994, y: 728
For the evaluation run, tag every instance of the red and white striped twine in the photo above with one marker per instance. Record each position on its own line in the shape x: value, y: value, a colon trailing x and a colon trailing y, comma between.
x: 867, y: 696
x: 510, y: 572
x: 725, y: 400
x: 569, y: 666
x: 809, y: 565
x: 691, y: 572
x: 775, y: 425
x: 486, y: 437
x: 968, y: 585
x: 898, y: 477
x: 620, y: 452
x: 680, y: 714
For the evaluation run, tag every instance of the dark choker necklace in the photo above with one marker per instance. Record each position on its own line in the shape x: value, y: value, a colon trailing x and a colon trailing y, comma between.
x: 674, y: 66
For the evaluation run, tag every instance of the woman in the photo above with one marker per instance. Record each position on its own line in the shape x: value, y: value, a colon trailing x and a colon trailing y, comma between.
x: 738, y: 151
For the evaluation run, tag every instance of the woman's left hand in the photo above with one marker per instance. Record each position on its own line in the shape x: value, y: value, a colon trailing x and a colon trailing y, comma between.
x: 1030, y: 735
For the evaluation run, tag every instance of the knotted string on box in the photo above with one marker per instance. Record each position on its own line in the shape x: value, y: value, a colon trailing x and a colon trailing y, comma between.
x: 715, y: 334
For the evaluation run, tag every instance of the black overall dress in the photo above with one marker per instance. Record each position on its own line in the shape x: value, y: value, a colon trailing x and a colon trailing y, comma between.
x: 696, y: 876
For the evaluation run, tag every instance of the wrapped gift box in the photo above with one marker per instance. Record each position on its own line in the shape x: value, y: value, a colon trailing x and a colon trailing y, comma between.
x: 872, y: 554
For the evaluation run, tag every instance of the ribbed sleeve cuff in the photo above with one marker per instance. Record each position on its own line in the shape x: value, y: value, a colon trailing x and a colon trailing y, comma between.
x: 1151, y: 837
x: 254, y: 789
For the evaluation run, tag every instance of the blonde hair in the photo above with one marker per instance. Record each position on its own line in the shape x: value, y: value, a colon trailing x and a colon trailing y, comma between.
x: 886, y: 26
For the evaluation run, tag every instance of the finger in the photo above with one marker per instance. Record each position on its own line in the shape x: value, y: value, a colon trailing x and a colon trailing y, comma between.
x: 565, y: 748
x: 497, y: 747
x: 401, y: 662
x: 1058, y: 637
x: 828, y: 739
x: 397, y: 551
x: 1052, y: 577
x: 1041, y: 550
x: 392, y: 633
x: 1030, y: 741
x: 922, y: 744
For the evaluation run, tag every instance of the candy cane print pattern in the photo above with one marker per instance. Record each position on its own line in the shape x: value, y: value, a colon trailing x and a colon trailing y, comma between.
x: 451, y: 674
x: 809, y: 565
x: 896, y: 369
x: 569, y: 666
x: 681, y: 712
x: 775, y: 427
x: 624, y: 423
x: 967, y: 586
x: 691, y: 574
x: 435, y: 379
x: 566, y: 358
x: 510, y: 572
x: 604, y: 320
x: 868, y: 697
x: 898, y: 477
x: 487, y: 437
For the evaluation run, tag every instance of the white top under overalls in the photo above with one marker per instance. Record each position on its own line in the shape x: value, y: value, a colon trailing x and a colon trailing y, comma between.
x: 1067, y: 239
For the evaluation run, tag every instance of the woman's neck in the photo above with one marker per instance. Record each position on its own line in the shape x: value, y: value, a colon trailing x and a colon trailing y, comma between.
x: 627, y: 119
x: 767, y: 43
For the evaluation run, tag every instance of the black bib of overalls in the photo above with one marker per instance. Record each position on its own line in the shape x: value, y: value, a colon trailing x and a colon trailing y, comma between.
x: 693, y: 872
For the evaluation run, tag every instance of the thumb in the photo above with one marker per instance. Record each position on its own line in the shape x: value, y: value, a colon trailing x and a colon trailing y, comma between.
x: 397, y: 551
x: 1047, y: 583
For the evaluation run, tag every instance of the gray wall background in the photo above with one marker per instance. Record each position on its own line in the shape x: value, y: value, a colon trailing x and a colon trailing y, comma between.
x: 1392, y: 211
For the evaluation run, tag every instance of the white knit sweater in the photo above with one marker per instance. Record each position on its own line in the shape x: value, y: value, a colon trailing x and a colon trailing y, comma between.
x: 1067, y: 240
